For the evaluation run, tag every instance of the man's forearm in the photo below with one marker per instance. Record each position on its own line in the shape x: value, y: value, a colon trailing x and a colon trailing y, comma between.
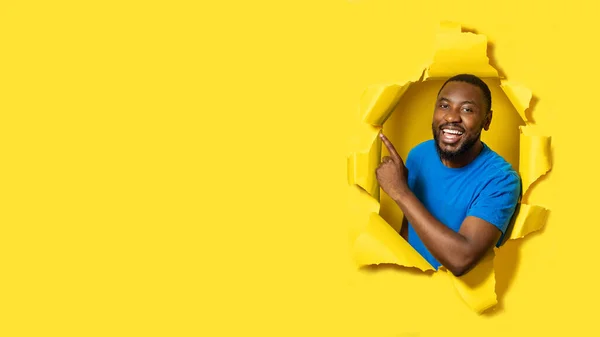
x: 447, y: 246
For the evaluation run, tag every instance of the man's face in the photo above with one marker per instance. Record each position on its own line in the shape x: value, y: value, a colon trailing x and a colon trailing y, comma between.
x: 460, y: 115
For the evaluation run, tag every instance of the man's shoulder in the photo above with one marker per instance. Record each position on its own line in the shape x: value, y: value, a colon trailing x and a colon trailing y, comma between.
x: 423, y: 147
x: 418, y: 152
x: 499, y: 169
x: 497, y: 190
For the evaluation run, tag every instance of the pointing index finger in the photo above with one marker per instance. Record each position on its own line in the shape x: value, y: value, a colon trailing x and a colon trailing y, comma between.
x: 390, y: 147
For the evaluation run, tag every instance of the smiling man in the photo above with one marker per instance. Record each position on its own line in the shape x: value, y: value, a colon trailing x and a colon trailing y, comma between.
x: 457, y: 195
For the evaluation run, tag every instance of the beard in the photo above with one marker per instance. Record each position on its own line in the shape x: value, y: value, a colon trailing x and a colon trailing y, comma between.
x: 463, y: 147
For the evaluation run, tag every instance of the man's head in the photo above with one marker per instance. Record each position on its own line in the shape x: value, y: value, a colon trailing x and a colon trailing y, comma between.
x: 462, y: 110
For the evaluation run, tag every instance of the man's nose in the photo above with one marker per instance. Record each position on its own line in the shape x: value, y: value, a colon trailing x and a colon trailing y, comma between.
x: 453, y: 116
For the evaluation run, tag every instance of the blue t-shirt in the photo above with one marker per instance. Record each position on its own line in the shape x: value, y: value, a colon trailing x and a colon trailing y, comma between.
x: 487, y: 188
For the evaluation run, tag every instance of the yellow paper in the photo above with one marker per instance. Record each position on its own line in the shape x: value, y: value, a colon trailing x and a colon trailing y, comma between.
x: 377, y: 242
x: 362, y: 165
x: 362, y: 204
x: 381, y: 244
x: 518, y: 95
x: 458, y: 52
x: 477, y: 287
x: 528, y: 219
x: 534, y: 157
x: 378, y: 102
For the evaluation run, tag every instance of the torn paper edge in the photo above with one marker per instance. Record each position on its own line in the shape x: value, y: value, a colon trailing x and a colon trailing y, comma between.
x: 379, y: 243
x: 535, y: 158
x: 518, y: 95
x: 384, y: 100
x: 473, y: 43
x: 529, y: 219
x: 484, y: 269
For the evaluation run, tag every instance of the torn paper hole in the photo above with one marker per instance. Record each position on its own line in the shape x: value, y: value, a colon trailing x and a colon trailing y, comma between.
x: 378, y: 241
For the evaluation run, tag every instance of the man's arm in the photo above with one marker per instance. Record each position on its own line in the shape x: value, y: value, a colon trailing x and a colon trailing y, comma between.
x: 458, y: 252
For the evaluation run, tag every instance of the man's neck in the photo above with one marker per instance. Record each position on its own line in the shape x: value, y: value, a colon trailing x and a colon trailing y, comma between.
x: 466, y: 158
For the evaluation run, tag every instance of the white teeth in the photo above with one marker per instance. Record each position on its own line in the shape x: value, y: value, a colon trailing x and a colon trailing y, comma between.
x: 455, y: 132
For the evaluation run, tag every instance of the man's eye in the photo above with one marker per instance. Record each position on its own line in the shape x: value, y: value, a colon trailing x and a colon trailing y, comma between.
x: 444, y: 106
x: 467, y: 109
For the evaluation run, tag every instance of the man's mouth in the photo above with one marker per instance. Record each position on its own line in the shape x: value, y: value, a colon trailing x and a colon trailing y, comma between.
x: 451, y: 135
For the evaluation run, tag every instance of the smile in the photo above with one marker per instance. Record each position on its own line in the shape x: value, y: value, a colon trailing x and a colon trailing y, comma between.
x: 451, y: 136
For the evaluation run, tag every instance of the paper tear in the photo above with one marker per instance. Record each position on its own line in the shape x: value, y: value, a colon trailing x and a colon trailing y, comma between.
x: 362, y: 205
x: 478, y: 287
x: 534, y: 157
x: 528, y: 219
x: 362, y: 165
x: 378, y: 102
x: 381, y: 244
x: 449, y: 27
x: 519, y: 96
x: 459, y: 52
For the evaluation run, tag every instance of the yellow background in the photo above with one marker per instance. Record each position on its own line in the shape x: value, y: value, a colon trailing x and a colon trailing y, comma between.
x: 178, y: 168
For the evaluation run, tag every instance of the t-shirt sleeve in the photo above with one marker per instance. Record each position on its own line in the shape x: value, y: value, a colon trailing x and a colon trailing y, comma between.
x: 498, y: 200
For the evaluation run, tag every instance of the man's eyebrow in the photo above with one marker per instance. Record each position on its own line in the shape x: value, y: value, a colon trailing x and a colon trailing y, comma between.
x: 463, y: 102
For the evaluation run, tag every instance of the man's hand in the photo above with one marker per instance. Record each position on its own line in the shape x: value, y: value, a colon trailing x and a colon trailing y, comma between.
x: 391, y: 173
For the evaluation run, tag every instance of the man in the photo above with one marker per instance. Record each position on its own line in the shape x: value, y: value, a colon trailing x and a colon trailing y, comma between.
x: 457, y: 195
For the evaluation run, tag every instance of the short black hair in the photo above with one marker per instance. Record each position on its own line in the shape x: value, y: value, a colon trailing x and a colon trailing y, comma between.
x: 472, y: 79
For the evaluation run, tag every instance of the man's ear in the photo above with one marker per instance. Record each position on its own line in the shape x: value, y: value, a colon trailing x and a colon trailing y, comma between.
x: 488, y: 120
